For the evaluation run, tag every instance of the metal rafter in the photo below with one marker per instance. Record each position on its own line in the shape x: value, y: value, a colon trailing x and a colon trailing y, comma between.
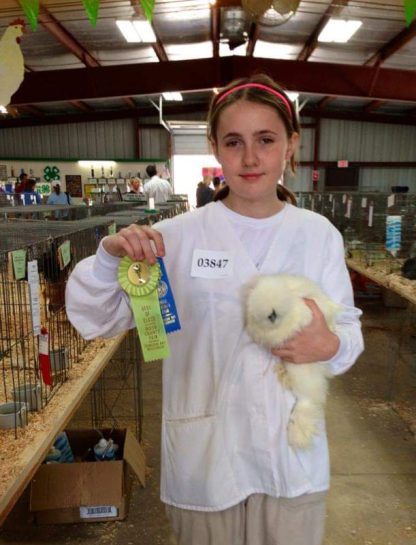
x: 215, y: 30
x: 122, y: 81
x: 252, y: 39
x: 333, y: 9
x: 373, y: 105
x: 80, y: 105
x: 52, y: 25
x: 158, y: 47
x: 322, y: 104
x: 391, y: 47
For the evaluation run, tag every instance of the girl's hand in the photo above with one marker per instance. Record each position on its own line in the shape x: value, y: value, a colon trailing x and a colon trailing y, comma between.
x: 314, y: 343
x: 139, y: 242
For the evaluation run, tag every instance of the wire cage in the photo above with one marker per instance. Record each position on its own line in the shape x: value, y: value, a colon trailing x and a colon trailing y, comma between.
x: 142, y: 216
x: 362, y: 219
x: 60, y: 212
x: 35, y: 261
x: 116, y: 400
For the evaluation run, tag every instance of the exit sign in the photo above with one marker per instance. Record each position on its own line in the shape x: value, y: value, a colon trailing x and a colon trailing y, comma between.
x: 342, y: 164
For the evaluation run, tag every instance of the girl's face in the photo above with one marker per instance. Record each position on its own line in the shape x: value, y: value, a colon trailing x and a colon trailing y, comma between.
x: 252, y: 147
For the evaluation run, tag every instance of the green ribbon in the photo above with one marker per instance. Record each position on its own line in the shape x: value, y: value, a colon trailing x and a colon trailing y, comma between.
x: 140, y: 281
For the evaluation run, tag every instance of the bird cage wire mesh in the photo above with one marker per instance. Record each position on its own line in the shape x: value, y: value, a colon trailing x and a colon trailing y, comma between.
x: 362, y: 219
x: 116, y: 399
x: 142, y: 216
x: 22, y: 380
x: 32, y: 295
x: 61, y: 212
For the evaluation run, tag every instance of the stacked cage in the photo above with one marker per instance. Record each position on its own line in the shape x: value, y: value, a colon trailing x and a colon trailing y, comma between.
x: 38, y: 345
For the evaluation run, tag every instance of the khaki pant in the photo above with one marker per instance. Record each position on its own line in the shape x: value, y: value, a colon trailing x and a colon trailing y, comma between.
x: 259, y: 520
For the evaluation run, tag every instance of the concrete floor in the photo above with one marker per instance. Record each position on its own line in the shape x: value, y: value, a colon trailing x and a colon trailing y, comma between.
x: 373, y: 451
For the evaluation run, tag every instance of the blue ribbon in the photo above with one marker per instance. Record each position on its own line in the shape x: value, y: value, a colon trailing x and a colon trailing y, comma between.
x: 167, y: 302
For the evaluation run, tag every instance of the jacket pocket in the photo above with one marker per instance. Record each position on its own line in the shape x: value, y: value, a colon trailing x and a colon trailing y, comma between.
x: 197, y: 469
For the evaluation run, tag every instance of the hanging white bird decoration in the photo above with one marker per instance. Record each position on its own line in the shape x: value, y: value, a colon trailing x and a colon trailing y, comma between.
x: 12, y: 66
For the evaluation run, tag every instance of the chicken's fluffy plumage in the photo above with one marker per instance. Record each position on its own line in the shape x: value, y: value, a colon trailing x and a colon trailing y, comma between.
x: 275, y: 310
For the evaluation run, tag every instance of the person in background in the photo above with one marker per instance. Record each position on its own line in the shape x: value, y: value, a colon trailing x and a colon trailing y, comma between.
x: 20, y: 185
x: 29, y: 195
x: 156, y: 187
x: 136, y: 186
x: 229, y: 475
x: 57, y: 196
x: 216, y: 182
x: 204, y: 193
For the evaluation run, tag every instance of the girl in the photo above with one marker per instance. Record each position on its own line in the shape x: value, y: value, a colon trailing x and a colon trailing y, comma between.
x: 229, y: 476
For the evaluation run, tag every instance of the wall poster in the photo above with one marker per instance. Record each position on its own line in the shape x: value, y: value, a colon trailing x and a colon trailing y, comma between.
x: 73, y: 185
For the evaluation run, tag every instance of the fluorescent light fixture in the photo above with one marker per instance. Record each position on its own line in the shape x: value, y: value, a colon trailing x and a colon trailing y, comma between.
x: 177, y: 97
x: 137, y: 31
x: 339, y: 30
x: 239, y: 51
x: 96, y: 164
x: 201, y: 50
x: 292, y: 95
x: 145, y: 31
x: 3, y: 110
x: 270, y: 50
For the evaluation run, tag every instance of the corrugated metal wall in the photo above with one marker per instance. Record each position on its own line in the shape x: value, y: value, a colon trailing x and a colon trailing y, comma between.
x: 154, y: 143
x: 190, y: 144
x: 339, y: 139
x: 357, y: 141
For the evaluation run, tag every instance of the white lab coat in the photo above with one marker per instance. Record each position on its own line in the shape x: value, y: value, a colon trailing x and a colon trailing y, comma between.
x: 225, y: 413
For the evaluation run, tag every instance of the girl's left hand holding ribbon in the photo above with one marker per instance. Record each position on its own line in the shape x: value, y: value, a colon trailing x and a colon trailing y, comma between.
x: 139, y: 242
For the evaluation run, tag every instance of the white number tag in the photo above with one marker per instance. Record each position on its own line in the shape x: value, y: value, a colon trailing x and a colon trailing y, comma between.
x: 211, y: 264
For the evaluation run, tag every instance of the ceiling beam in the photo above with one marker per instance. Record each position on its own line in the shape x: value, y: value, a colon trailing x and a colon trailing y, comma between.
x: 391, y: 47
x: 252, y: 39
x: 323, y: 103
x: 145, y: 79
x: 53, y: 26
x: 177, y: 109
x: 373, y: 105
x: 80, y: 105
x: 130, y: 103
x: 215, y: 30
x: 31, y: 109
x: 158, y: 47
x: 333, y: 9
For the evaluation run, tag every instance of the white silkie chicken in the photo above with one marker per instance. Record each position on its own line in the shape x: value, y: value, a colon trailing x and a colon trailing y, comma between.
x: 275, y: 311
x: 12, y: 66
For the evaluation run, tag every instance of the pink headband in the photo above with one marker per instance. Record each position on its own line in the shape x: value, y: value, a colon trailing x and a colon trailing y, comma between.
x: 281, y: 96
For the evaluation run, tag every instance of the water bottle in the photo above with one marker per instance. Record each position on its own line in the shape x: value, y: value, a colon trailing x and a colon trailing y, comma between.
x: 105, y: 451
x: 393, y: 234
x: 53, y: 456
x: 62, y: 443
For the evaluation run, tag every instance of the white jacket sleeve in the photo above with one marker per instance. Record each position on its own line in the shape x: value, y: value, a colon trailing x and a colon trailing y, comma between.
x: 95, y: 304
x: 337, y: 285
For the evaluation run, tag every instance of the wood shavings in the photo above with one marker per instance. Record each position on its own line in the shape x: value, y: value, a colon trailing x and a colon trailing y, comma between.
x: 11, y: 448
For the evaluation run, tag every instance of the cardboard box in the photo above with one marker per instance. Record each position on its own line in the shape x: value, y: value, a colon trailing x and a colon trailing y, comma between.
x: 88, y: 491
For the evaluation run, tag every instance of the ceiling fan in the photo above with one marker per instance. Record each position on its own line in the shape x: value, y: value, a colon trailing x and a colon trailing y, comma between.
x: 270, y: 12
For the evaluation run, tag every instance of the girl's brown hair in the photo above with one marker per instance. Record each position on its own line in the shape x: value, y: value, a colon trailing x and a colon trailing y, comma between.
x: 264, y: 90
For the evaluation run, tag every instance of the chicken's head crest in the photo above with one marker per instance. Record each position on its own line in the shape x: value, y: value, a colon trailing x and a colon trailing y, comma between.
x: 18, y: 22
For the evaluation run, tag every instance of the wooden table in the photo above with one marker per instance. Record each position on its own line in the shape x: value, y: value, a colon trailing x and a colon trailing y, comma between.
x: 55, y: 417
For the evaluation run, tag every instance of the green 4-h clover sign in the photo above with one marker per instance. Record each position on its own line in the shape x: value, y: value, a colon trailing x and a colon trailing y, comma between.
x: 51, y: 173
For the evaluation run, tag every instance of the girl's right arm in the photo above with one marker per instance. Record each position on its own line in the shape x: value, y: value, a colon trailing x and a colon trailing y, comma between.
x: 95, y: 303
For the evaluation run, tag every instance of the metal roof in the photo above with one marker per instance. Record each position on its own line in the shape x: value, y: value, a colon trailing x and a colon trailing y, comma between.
x: 77, y: 72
